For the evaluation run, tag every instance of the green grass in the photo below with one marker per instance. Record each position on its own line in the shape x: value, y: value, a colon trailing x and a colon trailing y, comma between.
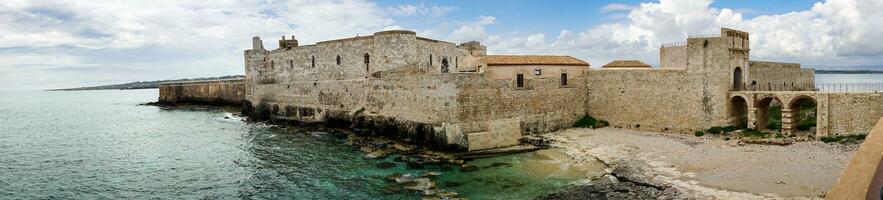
x: 718, y: 130
x: 844, y: 139
x: 699, y: 133
x: 775, y: 117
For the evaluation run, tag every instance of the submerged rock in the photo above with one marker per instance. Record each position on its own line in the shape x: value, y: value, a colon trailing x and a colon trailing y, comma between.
x: 468, y: 168
x: 386, y: 165
x: 391, y: 189
x: 421, y: 184
x: 378, y: 154
x: 415, y: 164
x: 392, y: 177
x: 405, y: 178
x: 402, y: 147
x: 429, y: 174
x: 497, y: 164
x: 367, y: 149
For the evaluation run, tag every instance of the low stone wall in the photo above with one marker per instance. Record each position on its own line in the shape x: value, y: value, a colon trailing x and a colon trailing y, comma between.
x: 215, y: 92
x: 853, y: 112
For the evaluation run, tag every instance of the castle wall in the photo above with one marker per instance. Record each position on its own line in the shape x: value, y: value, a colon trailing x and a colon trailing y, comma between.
x: 495, y: 113
x: 777, y: 73
x: 656, y: 100
x: 674, y: 57
x: 504, y: 72
x: 854, y: 112
x: 218, y: 92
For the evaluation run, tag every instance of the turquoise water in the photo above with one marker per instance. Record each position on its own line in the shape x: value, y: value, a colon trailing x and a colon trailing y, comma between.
x: 101, y: 145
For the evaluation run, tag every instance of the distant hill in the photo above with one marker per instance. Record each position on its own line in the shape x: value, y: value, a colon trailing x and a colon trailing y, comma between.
x: 849, y: 71
x: 146, y: 84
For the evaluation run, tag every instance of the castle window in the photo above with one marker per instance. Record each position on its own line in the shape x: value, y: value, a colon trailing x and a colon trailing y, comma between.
x: 430, y: 60
x: 313, y: 61
x: 563, y: 79
x: 367, y: 60
x: 444, y: 68
x: 457, y: 62
x: 519, y: 80
x: 291, y: 64
x: 272, y: 64
x: 537, y: 72
x: 338, y: 59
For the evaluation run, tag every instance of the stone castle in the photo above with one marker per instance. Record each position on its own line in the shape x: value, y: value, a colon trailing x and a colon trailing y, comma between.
x: 456, y: 97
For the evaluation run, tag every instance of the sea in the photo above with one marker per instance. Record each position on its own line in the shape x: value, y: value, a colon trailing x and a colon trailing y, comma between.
x: 104, y: 145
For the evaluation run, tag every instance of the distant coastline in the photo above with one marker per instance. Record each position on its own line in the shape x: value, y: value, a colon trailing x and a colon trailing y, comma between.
x: 849, y: 71
x: 145, y: 84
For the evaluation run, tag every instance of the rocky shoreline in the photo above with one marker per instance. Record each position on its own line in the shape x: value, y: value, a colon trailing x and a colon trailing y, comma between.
x: 651, y: 165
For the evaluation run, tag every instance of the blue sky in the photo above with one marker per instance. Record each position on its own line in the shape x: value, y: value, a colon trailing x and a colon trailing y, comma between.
x: 69, y: 43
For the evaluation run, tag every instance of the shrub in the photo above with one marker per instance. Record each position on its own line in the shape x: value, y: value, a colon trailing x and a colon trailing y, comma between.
x: 699, y: 133
x: 715, y: 130
x: 585, y: 122
x: 754, y: 133
x: 729, y: 129
x: 844, y: 139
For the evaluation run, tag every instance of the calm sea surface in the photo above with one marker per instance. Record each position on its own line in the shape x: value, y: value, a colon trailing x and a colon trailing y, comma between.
x: 101, y: 145
x: 849, y: 78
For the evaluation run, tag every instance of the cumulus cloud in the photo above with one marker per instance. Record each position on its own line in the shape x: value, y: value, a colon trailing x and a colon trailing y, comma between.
x: 103, y: 42
x: 614, y: 7
x: 834, y: 32
x: 420, y: 9
x: 472, y: 31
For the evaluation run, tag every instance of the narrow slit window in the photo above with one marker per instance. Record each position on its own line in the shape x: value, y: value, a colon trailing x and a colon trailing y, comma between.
x: 519, y: 80
x: 563, y: 79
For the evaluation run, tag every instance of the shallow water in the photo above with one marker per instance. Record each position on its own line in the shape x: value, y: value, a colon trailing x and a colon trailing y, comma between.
x: 101, y: 145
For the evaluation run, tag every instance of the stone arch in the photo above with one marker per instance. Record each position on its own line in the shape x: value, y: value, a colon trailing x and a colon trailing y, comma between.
x: 738, y: 111
x: 768, y: 113
x: 737, y: 79
x: 804, y: 113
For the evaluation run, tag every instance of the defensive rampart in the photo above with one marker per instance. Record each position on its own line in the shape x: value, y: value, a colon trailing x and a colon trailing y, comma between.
x: 216, y: 92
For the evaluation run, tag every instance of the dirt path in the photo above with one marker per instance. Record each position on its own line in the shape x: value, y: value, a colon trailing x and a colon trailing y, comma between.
x: 713, y: 168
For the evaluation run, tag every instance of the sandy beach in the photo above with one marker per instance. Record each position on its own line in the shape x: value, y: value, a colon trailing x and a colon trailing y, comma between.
x: 712, y: 168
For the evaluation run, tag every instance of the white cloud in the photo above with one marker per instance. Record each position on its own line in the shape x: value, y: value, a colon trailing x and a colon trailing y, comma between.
x: 834, y: 32
x: 420, y: 9
x: 614, y: 7
x: 472, y: 31
x: 66, y: 43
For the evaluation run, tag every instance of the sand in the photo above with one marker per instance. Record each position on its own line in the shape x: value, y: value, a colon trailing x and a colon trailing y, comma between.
x: 713, y: 168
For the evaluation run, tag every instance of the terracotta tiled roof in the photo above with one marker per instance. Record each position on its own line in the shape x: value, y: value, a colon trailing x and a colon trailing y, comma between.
x: 492, y: 60
x: 627, y: 63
